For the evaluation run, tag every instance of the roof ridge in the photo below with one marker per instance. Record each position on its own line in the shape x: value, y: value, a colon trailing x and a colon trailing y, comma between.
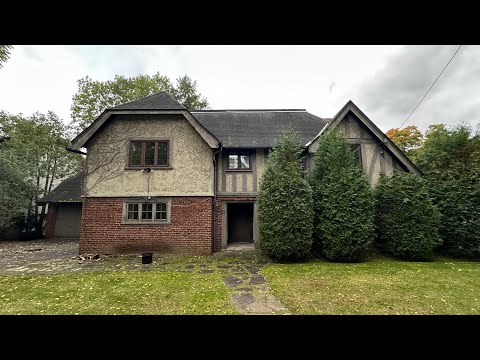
x: 248, y: 110
x: 163, y: 92
x: 171, y: 97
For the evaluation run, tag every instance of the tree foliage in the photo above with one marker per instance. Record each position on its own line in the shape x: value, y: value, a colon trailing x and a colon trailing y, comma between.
x: 459, y: 204
x: 343, y: 202
x: 451, y: 153
x: 285, y: 203
x: 35, y: 152
x: 450, y: 160
x: 16, y: 190
x: 406, y: 219
x: 409, y: 139
x: 93, y: 97
x: 4, y: 54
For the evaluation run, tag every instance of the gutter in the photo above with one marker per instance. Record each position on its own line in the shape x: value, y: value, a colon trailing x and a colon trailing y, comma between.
x: 214, y: 200
x: 75, y: 151
x: 316, y: 137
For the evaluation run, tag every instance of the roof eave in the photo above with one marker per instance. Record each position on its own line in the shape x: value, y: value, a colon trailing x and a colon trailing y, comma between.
x: 41, y: 201
x: 307, y: 145
x: 350, y: 106
x: 81, y: 139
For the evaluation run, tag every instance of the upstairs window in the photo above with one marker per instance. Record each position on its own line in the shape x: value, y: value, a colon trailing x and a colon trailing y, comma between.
x: 239, y: 161
x: 357, y: 152
x: 149, y: 154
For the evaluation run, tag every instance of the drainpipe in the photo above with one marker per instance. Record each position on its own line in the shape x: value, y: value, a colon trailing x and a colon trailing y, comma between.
x: 214, y: 195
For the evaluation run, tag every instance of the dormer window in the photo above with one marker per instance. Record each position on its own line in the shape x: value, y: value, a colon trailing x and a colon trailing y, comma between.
x: 150, y: 153
x: 239, y: 160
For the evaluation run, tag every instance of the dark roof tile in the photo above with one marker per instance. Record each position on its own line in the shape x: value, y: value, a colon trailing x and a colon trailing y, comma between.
x: 68, y: 190
x: 261, y: 128
x: 160, y: 101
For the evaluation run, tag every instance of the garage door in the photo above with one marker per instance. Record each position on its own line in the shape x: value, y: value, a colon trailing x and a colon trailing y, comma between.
x: 67, y: 224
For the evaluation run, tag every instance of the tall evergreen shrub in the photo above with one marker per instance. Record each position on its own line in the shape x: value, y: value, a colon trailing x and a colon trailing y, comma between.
x: 285, y: 203
x: 406, y: 219
x: 458, y: 201
x: 450, y: 159
x: 343, y: 202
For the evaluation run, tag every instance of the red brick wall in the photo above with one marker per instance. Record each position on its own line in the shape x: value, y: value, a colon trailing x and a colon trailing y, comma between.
x: 218, y: 217
x: 190, y: 230
x: 50, y: 221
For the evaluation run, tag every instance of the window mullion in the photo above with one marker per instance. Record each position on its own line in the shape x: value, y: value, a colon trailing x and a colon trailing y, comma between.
x: 142, y: 162
x: 130, y: 154
x: 155, y: 156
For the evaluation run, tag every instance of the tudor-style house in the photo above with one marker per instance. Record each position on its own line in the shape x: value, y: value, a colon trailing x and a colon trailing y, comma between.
x: 160, y: 178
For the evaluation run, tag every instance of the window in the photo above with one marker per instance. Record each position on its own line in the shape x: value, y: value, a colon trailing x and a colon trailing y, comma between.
x: 141, y: 212
x: 239, y: 161
x: 132, y: 212
x: 148, y: 154
x: 357, y: 152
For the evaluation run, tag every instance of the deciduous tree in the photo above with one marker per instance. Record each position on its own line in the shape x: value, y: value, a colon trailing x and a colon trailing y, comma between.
x: 409, y: 139
x: 4, y: 54
x: 93, y: 96
x: 38, y: 144
x: 16, y: 189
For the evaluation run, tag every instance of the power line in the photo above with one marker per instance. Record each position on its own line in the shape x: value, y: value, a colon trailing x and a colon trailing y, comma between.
x: 431, y: 86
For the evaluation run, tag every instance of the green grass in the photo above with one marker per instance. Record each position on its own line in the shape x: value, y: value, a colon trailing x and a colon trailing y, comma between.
x: 115, y: 293
x: 379, y: 286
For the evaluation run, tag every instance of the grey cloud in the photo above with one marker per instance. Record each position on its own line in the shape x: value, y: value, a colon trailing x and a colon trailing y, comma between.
x: 395, y: 90
x: 30, y: 52
x: 114, y: 59
x: 331, y: 86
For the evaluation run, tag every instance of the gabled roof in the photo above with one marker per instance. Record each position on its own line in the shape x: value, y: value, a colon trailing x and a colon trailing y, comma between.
x: 351, y: 107
x: 69, y: 190
x: 160, y: 101
x: 258, y: 128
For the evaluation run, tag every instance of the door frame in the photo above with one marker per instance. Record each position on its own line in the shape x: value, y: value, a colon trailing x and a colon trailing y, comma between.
x: 225, y: 221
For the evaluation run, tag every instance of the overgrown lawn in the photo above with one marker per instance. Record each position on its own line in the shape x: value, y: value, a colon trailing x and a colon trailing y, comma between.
x: 115, y: 293
x: 380, y: 286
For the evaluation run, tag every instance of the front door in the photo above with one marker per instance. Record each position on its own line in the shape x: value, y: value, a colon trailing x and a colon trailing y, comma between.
x: 240, y: 222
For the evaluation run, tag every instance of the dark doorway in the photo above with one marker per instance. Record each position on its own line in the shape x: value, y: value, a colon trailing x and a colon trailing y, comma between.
x: 240, y: 222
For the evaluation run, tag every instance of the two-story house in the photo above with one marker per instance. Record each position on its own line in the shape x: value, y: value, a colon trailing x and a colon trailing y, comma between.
x: 160, y: 178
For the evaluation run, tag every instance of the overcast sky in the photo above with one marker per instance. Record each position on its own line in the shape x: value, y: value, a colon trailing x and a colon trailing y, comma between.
x: 386, y: 82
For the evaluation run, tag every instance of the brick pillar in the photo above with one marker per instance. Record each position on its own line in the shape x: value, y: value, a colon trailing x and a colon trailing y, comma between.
x: 51, y: 218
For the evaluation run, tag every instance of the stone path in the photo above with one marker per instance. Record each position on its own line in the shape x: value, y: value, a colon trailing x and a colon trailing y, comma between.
x: 249, y: 291
x: 240, y: 270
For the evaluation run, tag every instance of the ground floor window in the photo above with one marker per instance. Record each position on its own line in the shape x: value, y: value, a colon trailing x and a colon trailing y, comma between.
x: 141, y: 211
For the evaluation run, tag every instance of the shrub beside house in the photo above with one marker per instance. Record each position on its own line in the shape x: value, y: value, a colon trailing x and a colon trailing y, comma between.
x: 161, y: 178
